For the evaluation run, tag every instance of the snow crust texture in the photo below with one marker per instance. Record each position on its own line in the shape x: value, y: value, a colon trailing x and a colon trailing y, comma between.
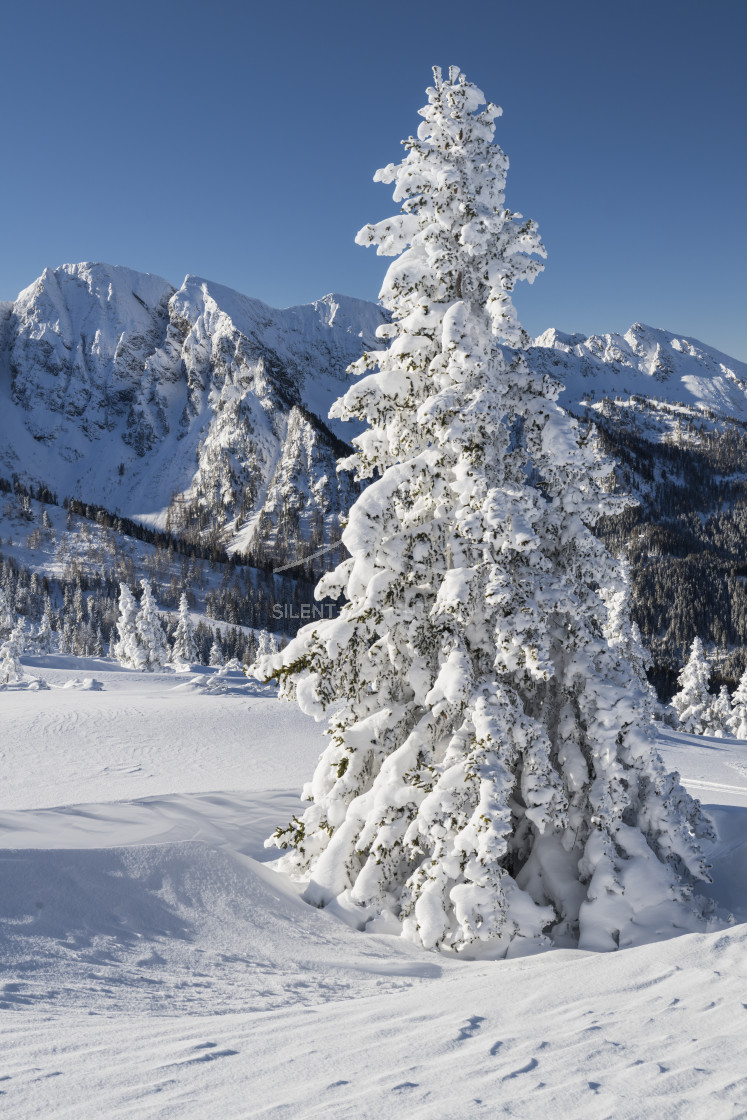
x: 153, y: 966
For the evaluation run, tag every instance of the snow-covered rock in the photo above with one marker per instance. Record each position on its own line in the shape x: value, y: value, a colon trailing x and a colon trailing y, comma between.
x: 646, y: 362
x: 117, y: 389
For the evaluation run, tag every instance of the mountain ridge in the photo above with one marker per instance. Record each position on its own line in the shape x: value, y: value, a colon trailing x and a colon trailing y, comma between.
x: 204, y: 412
x: 126, y: 391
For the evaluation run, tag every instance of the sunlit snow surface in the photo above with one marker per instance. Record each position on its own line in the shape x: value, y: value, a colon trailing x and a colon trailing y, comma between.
x: 153, y: 967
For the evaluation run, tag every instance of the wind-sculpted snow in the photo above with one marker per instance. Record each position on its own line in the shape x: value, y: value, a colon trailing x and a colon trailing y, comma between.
x: 162, y: 928
x: 153, y: 965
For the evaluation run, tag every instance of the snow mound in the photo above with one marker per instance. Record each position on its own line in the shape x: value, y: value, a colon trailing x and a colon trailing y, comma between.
x: 174, y: 927
x: 223, y: 683
x: 27, y: 684
x: 88, y: 684
x: 185, y: 957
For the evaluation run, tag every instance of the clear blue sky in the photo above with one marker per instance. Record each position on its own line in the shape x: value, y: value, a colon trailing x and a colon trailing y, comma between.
x: 238, y: 141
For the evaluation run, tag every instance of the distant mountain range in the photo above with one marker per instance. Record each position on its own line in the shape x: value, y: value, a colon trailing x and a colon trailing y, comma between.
x: 204, y: 411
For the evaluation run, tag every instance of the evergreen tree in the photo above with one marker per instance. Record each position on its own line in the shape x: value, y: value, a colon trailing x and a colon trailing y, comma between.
x: 738, y: 719
x: 718, y: 716
x: 216, y: 652
x: 184, y: 650
x: 491, y: 782
x: 267, y: 644
x: 127, y: 649
x: 150, y: 635
x: 693, y: 701
x: 45, y: 634
x: 11, y: 670
x: 67, y: 638
x: 78, y: 606
x: 7, y: 617
x: 250, y: 650
x: 622, y: 632
x: 35, y: 597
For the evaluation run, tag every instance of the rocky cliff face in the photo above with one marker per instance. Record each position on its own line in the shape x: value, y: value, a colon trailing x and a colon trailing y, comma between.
x: 199, y: 408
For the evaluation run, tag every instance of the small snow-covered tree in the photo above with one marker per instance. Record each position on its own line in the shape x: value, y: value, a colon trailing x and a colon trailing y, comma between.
x: 78, y: 607
x: 150, y: 635
x: 45, y: 634
x: 127, y: 649
x: 718, y: 716
x: 184, y: 649
x: 738, y: 718
x: 267, y: 644
x: 491, y: 784
x: 621, y: 631
x: 11, y: 670
x: 67, y: 637
x: 216, y: 653
x: 7, y: 617
x: 693, y: 700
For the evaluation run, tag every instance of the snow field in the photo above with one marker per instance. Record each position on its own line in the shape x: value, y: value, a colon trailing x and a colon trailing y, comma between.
x: 154, y: 966
x: 144, y: 734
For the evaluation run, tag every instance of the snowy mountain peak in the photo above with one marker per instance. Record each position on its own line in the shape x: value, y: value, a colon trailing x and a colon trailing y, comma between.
x: 119, y: 389
x: 552, y: 338
x: 73, y: 288
x: 645, y: 362
x: 355, y: 316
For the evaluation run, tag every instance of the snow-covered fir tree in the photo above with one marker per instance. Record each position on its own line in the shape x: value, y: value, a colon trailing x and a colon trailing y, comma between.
x: 718, y: 716
x: 491, y: 784
x: 78, y: 607
x: 267, y: 644
x: 150, y: 635
x: 127, y: 648
x: 184, y: 649
x: 738, y: 718
x: 216, y: 653
x: 45, y: 634
x: 11, y: 670
x: 693, y: 701
x: 7, y: 616
x: 67, y: 637
x: 622, y: 632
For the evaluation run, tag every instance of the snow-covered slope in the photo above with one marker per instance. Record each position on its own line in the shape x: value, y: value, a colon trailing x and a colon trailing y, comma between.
x: 120, y: 390
x: 154, y: 965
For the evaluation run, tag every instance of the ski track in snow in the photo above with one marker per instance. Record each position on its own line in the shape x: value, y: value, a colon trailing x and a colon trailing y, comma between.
x: 153, y: 965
